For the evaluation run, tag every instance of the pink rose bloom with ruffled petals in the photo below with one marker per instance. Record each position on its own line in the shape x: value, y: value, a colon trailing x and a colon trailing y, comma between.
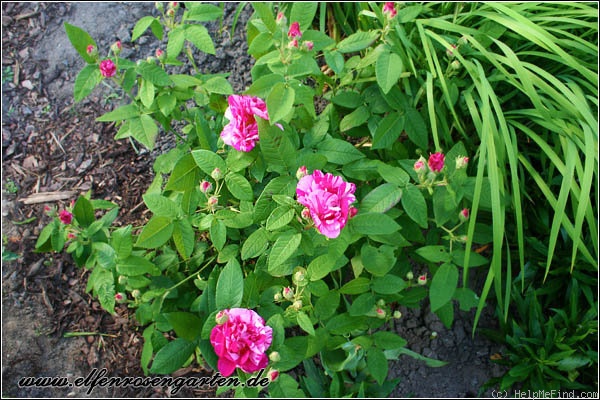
x: 328, y: 198
x: 108, y: 68
x: 242, y: 131
x: 241, y: 341
x: 436, y: 161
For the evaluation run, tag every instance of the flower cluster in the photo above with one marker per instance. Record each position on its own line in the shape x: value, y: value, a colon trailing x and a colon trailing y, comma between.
x: 242, y: 130
x: 241, y: 340
x: 328, y: 199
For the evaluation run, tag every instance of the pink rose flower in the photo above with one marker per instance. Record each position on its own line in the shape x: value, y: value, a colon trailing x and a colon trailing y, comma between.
x: 328, y: 198
x: 436, y: 161
x: 65, y: 217
x: 390, y: 9
x: 241, y: 342
x: 108, y: 68
x: 294, y: 31
x: 242, y: 130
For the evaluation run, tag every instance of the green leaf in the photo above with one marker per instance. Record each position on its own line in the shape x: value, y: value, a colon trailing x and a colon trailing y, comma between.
x: 415, y: 128
x: 175, y: 43
x: 122, y: 242
x: 435, y: 253
x: 381, y: 199
x: 388, y: 284
x: 153, y: 73
x: 388, y: 130
x: 256, y: 244
x: 362, y: 305
x: 186, y: 325
x: 162, y: 206
x: 321, y: 266
x: 357, y: 41
x: 355, y: 118
x: 141, y: 26
x: 335, y: 60
x: 146, y: 93
x: 80, y: 40
x: 378, y: 260
x: 185, y: 175
x: 230, y: 286
x: 83, y: 211
x: 303, y: 12
x: 136, y: 265
x: 156, y: 233
x: 144, y: 130
x: 276, y: 147
x: 327, y: 305
x: 280, y: 217
x: 388, y: 70
x: 218, y: 233
x: 219, y: 85
x: 184, y: 238
x: 377, y: 364
x: 339, y: 151
x: 166, y: 103
x: 305, y: 323
x: 372, y: 223
x: 467, y: 299
x: 239, y: 187
x: 203, y: 12
x: 208, y: 161
x: 280, y: 102
x: 262, y: 86
x: 388, y: 340
x: 573, y: 362
x: 266, y: 15
x: 198, y: 35
x: 172, y: 356
x: 356, y: 286
x: 283, y: 248
x: 87, y: 79
x: 343, y: 324
x: 414, y: 205
x: 443, y: 286
x: 124, y: 112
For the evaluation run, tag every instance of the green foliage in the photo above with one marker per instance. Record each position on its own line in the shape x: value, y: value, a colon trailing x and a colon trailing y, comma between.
x: 391, y: 91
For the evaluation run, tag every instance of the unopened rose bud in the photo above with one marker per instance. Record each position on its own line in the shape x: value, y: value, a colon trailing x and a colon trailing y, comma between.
x: 212, y: 202
x: 294, y: 31
x: 381, y: 302
x: 293, y: 44
x: 389, y: 9
x: 455, y: 65
x: 397, y: 314
x: 92, y: 51
x: 462, y: 238
x: 420, y: 167
x: 108, y: 68
x: 434, y: 335
x: 288, y: 293
x: 450, y: 51
x: 71, y: 235
x: 305, y: 213
x: 160, y: 54
x: 463, y: 215
x: 299, y: 276
x: 120, y: 298
x: 309, y: 45
x: 216, y: 174
x: 122, y: 280
x: 461, y: 162
x: 174, y: 5
x: 297, y: 305
x: 65, y: 217
x: 352, y: 211
x: 436, y: 161
x: 281, y: 19
x: 301, y: 172
x: 151, y: 60
x: 136, y: 293
x: 422, y: 279
x: 159, y: 6
x: 273, y: 374
x: 410, y: 275
x: 205, y: 186
x: 171, y: 12
x: 277, y: 297
x: 380, y: 313
x: 116, y: 47
x: 463, y: 40
x: 274, y: 356
x: 47, y: 208
x: 221, y: 317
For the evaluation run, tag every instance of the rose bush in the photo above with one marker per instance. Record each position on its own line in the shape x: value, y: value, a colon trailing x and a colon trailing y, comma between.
x: 289, y: 218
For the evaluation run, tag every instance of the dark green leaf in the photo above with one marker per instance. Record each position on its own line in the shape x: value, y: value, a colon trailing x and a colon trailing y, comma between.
x: 230, y: 286
x: 443, y: 286
x: 172, y: 356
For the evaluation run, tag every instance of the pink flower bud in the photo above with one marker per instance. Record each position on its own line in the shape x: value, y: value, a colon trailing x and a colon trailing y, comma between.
x: 389, y: 9
x: 288, y: 293
x: 91, y: 50
x: 65, y: 217
x: 273, y: 374
x: 436, y: 161
x: 108, y: 68
x: 293, y: 44
x: 281, y: 19
x: 450, y: 51
x: 461, y: 162
x: 463, y: 215
x: 309, y: 45
x: 294, y: 31
x: 305, y: 213
x: 116, y: 47
x: 380, y: 313
x: 216, y: 174
x: 213, y: 201
x: 120, y: 298
x: 205, y: 186
x: 422, y: 279
x: 297, y: 305
x: 171, y: 12
x: 71, y: 235
x: 47, y: 208
x: 301, y: 172
x: 221, y: 317
x: 159, y: 54
x: 352, y: 211
x: 420, y: 167
x: 174, y: 4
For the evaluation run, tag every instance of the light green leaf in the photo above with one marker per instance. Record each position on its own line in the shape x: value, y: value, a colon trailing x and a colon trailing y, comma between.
x: 415, y: 128
x: 280, y: 102
x: 435, y: 253
x: 146, y: 93
x: 162, y: 206
x: 388, y: 70
x: 87, y: 79
x: 80, y: 40
x: 377, y: 364
x: 136, y: 265
x: 305, y: 323
x: 184, y: 238
x: 280, y: 217
x: 156, y: 233
x: 355, y: 118
x: 141, y: 26
x: 357, y: 41
x: 443, y: 286
x: 124, y: 112
x: 185, y: 175
x: 153, y: 73
x: 256, y: 244
x: 381, y: 199
x: 230, y: 286
x: 218, y: 233
x: 303, y: 12
x: 388, y: 130
x: 373, y: 224
x: 283, y: 248
x: 414, y: 205
x: 198, y: 35
x: 339, y: 151
x: 208, y: 160
x: 239, y: 187
x: 122, y: 242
